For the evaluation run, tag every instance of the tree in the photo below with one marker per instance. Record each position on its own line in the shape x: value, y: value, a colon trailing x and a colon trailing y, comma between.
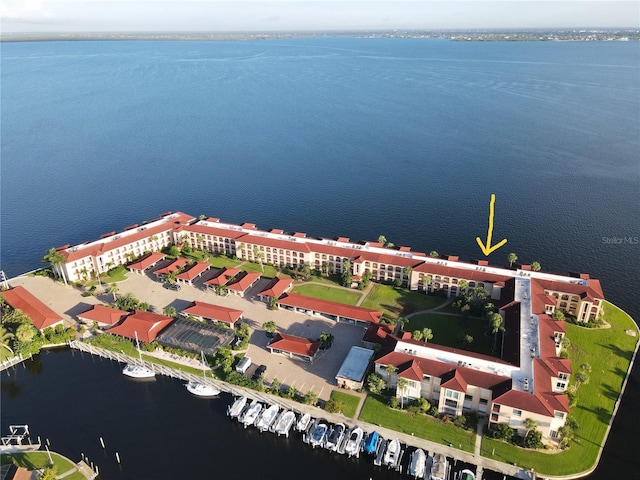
x: 529, y: 424
x: 25, y: 332
x: 533, y: 439
x: 326, y: 340
x: 585, y: 367
x: 402, y: 385
x: 347, y: 276
x: 269, y: 328
x: 332, y: 406
x: 535, y: 266
x: 434, y: 254
x: 512, y: 258
x: 258, y: 256
x: 427, y: 334
x: 426, y: 281
x: 462, y: 285
x: 495, y: 323
x: 273, y: 302
x: 417, y: 335
x: 55, y: 259
x: 48, y: 473
x: 113, y: 289
x: 502, y: 431
x: 169, y: 311
x: 581, y: 377
x: 275, y: 386
x: 467, y: 340
x: 407, y: 273
x: 5, y: 338
x: 382, y: 240
x: 311, y: 398
x: 390, y: 369
x: 568, y: 431
x: 375, y: 383
x: 558, y: 314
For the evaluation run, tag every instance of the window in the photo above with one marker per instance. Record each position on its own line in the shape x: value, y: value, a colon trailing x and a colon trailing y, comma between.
x: 561, y: 385
x: 483, y: 401
x: 468, y: 398
x: 563, y: 376
x: 517, y: 413
x: 553, y: 433
x: 426, y: 378
x: 451, y: 403
x: 452, y: 394
x: 494, y: 417
x: 496, y: 407
x: 559, y: 415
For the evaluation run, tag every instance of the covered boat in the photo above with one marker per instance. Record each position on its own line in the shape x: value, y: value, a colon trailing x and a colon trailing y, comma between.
x: 417, y: 464
x: 371, y: 442
x: 439, y: 469
x: 304, y: 422
x: 467, y: 474
x: 284, y: 423
x: 251, y: 414
x: 235, y: 409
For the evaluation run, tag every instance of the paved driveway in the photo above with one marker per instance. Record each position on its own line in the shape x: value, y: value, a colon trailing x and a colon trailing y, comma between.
x: 68, y: 301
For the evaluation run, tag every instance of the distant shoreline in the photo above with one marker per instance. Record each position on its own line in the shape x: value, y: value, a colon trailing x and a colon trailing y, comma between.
x: 590, y: 34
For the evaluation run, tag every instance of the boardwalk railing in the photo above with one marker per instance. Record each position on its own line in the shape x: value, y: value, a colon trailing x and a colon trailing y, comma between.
x: 10, y: 362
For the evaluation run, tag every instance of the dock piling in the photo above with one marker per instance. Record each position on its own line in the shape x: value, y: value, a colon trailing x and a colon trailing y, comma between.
x: 117, y: 457
x: 102, y: 442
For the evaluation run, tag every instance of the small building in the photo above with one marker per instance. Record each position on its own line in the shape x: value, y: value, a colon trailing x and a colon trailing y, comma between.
x: 222, y: 277
x: 177, y: 264
x: 150, y: 261
x: 102, y: 315
x: 215, y: 313
x: 354, y: 368
x: 275, y: 288
x: 243, y: 282
x: 40, y: 314
x: 339, y: 312
x: 193, y: 273
x: 146, y: 325
x: 297, y: 347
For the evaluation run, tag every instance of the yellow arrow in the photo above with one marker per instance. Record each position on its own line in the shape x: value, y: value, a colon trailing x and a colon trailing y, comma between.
x: 488, y: 248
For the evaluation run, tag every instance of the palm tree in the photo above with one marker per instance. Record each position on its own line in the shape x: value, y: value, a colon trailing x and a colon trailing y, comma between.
x: 55, y: 258
x: 25, y: 332
x: 113, y: 289
x: 382, y: 239
x: 403, y: 383
x: 169, y: 311
x: 407, y: 272
x: 434, y: 254
x: 390, y: 369
x: 535, y: 266
x: 5, y: 337
x: 512, y: 258
x: 529, y: 424
x: 427, y: 334
x: 259, y: 256
x: 426, y: 281
x: 241, y: 246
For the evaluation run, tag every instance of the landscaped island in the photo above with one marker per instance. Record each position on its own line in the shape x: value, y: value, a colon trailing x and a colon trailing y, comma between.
x: 455, y: 342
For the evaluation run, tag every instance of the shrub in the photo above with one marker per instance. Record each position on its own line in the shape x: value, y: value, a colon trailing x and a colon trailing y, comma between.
x: 311, y: 398
x: 375, y: 383
x: 394, y: 402
x: 460, y: 422
x: 502, y: 431
x: 332, y: 406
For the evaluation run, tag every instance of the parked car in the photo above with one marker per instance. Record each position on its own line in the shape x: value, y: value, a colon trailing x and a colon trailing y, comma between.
x: 172, y: 286
x: 259, y: 372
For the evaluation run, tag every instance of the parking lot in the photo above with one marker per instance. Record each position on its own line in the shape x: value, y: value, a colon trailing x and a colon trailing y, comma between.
x: 68, y: 301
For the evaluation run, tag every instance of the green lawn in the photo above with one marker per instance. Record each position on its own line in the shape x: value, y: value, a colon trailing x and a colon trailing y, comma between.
x: 398, y: 301
x: 36, y: 460
x: 449, y: 330
x: 326, y: 292
x: 348, y: 403
x: 269, y: 271
x: 377, y: 412
x: 222, y: 261
x: 609, y: 353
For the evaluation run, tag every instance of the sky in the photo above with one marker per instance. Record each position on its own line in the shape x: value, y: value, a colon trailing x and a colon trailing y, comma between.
x: 287, y: 15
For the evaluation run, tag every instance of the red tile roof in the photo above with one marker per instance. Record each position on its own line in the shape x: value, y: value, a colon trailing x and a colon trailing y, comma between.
x: 103, y: 314
x: 376, y: 333
x: 213, y: 312
x: 276, y: 287
x: 297, y: 345
x: 40, y: 314
x: 590, y: 291
x: 112, y: 243
x: 467, y: 274
x: 173, y: 266
x: 210, y: 229
x: 274, y: 243
x: 331, y: 308
x: 148, y: 325
x: 223, y: 276
x: 244, y: 281
x: 194, y: 271
x: 147, y: 262
x: 454, y: 382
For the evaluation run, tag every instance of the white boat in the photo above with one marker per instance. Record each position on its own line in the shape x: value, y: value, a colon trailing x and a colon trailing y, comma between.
x: 236, y: 407
x: 334, y: 437
x: 303, y: 423
x: 138, y: 371
x: 352, y: 448
x: 467, y: 475
x: 392, y: 453
x: 284, y: 423
x: 251, y: 414
x: 318, y: 434
x: 202, y: 389
x: 267, y: 418
x: 439, y: 469
x: 417, y: 464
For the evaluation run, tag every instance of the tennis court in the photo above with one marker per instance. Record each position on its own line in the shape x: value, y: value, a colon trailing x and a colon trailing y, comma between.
x: 195, y: 336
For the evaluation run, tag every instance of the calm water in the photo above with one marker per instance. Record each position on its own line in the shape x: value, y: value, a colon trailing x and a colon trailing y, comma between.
x: 330, y: 136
